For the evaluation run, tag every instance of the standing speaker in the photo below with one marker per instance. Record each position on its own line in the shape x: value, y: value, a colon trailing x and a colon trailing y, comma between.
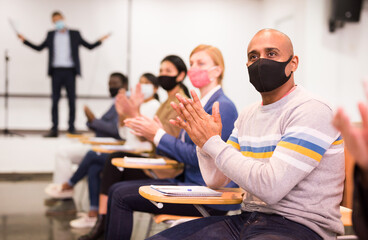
x: 346, y: 10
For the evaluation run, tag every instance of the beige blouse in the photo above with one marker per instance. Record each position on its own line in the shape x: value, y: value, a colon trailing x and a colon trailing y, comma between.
x: 166, y: 112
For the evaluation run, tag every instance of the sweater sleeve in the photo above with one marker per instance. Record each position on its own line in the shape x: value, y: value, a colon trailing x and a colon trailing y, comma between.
x: 212, y: 175
x: 308, y: 134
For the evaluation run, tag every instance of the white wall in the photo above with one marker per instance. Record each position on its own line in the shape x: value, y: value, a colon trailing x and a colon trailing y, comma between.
x: 336, y: 63
x: 331, y: 64
x: 28, y: 68
x: 163, y: 27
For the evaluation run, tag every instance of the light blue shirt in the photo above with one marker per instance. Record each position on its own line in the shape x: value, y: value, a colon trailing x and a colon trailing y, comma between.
x: 62, y: 50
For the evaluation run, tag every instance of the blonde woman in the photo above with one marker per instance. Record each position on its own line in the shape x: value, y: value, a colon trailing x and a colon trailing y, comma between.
x: 206, y: 73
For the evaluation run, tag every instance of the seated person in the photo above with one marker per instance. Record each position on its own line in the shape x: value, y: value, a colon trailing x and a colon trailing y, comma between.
x: 206, y: 74
x: 284, y: 152
x: 92, y: 164
x: 144, y: 101
x: 356, y: 141
x: 172, y: 73
x: 73, y: 152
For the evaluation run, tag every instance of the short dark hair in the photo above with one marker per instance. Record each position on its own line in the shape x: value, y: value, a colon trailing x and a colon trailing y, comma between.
x: 56, y: 13
x: 123, y: 79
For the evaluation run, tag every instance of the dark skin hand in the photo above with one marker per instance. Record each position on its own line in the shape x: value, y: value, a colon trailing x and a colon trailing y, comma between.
x: 89, y: 114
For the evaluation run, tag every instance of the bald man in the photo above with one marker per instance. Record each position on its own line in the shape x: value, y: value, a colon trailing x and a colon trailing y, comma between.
x: 283, y: 152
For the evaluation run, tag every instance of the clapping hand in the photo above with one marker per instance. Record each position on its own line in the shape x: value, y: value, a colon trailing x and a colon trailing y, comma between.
x: 89, y: 114
x: 144, y: 126
x: 199, y: 125
x: 129, y: 107
x: 137, y: 96
x: 356, y: 139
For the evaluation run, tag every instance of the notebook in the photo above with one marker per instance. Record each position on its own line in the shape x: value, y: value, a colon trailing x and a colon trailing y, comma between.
x: 103, y: 139
x: 186, y: 191
x: 148, y: 161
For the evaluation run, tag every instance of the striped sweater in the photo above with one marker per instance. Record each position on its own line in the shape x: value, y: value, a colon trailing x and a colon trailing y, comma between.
x: 287, y: 157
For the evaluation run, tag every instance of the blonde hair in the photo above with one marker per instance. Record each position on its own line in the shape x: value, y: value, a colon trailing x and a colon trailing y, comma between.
x: 215, y: 55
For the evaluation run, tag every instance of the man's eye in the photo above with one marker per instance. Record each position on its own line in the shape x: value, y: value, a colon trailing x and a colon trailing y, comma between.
x: 272, y: 54
x: 252, y: 57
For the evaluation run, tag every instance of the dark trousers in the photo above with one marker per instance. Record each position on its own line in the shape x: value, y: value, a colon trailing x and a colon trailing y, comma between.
x: 245, y: 226
x: 124, y: 199
x: 111, y: 174
x: 91, y: 165
x: 63, y: 77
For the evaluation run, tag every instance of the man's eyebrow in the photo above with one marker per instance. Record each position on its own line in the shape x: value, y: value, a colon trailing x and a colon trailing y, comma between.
x: 272, y: 49
x: 251, y: 52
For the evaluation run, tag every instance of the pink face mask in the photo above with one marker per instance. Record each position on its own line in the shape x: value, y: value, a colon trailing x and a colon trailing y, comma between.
x: 199, y: 77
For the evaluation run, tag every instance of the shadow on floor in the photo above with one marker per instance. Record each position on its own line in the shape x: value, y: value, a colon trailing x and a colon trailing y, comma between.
x: 22, y: 213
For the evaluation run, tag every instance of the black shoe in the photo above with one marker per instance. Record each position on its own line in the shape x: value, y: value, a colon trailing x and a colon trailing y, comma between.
x: 97, y: 231
x: 51, y: 133
x: 72, y: 131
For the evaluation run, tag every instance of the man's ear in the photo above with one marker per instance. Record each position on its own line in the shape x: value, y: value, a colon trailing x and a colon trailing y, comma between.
x: 294, y: 63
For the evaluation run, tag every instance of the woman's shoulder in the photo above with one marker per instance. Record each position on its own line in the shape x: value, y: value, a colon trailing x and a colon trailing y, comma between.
x: 225, y: 100
x: 150, y: 107
x: 152, y: 103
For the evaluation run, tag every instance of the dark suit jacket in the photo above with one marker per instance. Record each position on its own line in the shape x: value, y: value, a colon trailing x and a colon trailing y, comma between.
x: 107, y: 125
x: 75, y: 40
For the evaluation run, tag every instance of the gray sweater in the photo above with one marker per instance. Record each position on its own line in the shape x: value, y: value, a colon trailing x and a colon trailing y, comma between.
x: 289, y: 159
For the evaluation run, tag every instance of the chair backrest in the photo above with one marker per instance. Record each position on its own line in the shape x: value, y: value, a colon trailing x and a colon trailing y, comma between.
x: 347, y: 200
x: 346, y: 216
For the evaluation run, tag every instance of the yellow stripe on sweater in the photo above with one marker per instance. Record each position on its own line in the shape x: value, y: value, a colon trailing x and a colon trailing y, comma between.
x: 338, y: 142
x: 302, y: 150
x: 258, y: 155
x: 234, y: 144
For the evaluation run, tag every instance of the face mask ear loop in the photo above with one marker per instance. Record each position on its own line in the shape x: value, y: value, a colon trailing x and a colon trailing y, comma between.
x: 212, y: 68
x: 290, y: 75
x: 287, y: 62
x: 211, y: 79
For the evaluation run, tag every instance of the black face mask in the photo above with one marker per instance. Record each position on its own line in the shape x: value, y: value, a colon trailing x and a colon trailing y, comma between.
x: 167, y: 82
x: 267, y: 75
x: 114, y: 91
